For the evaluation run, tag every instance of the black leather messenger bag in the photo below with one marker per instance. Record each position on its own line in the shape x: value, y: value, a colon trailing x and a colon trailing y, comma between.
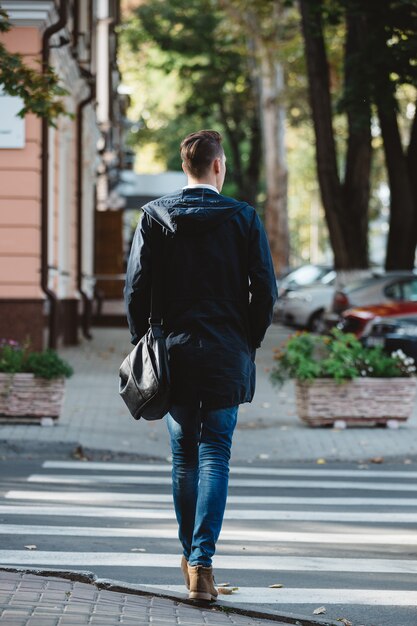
x: 144, y: 381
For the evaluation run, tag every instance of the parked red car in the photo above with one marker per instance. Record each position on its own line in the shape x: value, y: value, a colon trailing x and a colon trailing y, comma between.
x: 356, y: 319
x: 376, y: 290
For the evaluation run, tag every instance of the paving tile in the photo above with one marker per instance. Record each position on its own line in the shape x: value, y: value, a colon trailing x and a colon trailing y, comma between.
x: 11, y: 617
x: 27, y: 596
x: 42, y: 621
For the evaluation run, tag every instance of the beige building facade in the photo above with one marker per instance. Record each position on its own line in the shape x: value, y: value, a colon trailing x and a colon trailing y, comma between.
x: 49, y: 176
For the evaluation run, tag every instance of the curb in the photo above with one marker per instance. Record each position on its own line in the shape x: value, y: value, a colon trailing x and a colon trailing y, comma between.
x: 12, y: 448
x: 122, y: 587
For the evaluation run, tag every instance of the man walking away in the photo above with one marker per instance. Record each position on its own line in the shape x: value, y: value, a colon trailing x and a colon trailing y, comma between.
x: 219, y: 290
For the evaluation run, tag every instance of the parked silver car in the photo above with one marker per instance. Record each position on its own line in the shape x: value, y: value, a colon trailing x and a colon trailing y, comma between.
x: 305, y: 306
x: 302, y: 277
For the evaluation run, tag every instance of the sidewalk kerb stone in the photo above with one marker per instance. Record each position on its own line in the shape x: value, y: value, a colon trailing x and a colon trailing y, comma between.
x: 114, y: 586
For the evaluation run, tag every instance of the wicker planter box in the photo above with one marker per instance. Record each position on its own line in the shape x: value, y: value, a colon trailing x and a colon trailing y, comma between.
x: 366, y: 401
x: 26, y: 398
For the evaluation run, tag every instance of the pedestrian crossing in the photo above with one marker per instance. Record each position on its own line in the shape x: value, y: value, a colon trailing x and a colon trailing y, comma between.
x: 342, y: 538
x: 231, y: 514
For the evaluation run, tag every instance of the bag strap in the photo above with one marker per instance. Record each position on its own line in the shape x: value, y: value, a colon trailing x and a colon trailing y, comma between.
x: 158, y: 251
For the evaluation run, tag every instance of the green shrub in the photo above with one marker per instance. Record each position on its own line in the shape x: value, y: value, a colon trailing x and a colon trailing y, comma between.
x: 11, y: 357
x: 341, y: 356
x: 17, y: 359
x: 48, y: 364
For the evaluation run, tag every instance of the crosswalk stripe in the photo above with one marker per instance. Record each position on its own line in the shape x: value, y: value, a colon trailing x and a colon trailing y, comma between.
x: 115, y: 496
x: 338, y: 515
x: 231, y: 514
x: 400, y: 539
x: 269, y: 471
x: 266, y: 563
x: 90, y: 496
x: 80, y: 479
x: 289, y: 596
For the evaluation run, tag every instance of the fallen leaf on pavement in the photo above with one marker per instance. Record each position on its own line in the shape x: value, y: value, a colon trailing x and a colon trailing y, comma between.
x: 223, y: 585
x: 276, y: 586
x: 227, y: 591
x: 319, y: 611
x: 31, y: 547
x: 321, y: 461
x: 377, y: 459
x: 344, y: 621
x: 78, y: 453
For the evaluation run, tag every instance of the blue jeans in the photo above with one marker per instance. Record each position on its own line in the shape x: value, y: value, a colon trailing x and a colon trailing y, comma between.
x: 201, y: 440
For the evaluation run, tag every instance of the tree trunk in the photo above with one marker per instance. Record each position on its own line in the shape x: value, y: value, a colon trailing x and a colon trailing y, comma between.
x: 245, y: 178
x: 401, y: 240
x: 412, y: 171
x: 267, y: 76
x: 253, y: 169
x: 235, y: 152
x: 319, y: 88
x: 276, y: 174
x: 356, y: 186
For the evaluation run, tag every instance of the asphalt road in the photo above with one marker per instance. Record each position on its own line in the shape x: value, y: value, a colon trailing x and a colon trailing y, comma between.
x: 337, y: 536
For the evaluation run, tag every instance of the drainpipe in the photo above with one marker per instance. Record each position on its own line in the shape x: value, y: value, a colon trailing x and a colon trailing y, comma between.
x: 76, y: 27
x: 86, y: 313
x: 52, y: 297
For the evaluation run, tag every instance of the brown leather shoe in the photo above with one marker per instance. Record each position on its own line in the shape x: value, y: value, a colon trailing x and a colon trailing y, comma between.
x: 184, y: 568
x: 201, y: 583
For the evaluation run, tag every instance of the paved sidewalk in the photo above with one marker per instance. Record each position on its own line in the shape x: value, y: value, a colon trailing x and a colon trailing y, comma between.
x: 28, y: 599
x: 268, y: 429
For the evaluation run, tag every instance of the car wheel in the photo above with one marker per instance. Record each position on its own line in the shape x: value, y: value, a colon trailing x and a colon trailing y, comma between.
x: 316, y: 322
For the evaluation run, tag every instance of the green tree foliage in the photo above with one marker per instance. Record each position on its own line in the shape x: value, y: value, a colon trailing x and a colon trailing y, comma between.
x: 210, y: 61
x: 39, y: 90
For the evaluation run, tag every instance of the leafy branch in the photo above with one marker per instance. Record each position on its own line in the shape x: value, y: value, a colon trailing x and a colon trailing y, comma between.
x: 39, y: 90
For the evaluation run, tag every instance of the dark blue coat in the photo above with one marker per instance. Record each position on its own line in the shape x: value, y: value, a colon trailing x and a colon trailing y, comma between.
x: 220, y: 291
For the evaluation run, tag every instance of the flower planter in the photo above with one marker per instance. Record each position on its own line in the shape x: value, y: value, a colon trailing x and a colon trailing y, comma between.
x: 26, y: 398
x: 365, y: 401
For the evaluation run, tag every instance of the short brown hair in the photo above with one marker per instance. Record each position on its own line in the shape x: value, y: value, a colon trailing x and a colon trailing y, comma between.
x: 199, y: 150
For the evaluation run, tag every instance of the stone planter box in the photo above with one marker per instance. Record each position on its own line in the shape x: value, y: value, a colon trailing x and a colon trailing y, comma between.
x: 26, y: 398
x: 365, y: 401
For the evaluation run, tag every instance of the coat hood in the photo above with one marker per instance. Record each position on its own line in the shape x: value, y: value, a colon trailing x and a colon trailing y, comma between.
x: 193, y: 210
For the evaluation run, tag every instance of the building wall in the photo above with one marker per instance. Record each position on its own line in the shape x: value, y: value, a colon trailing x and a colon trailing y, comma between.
x: 24, y: 307
x: 90, y: 163
x: 21, y: 298
x: 20, y: 190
